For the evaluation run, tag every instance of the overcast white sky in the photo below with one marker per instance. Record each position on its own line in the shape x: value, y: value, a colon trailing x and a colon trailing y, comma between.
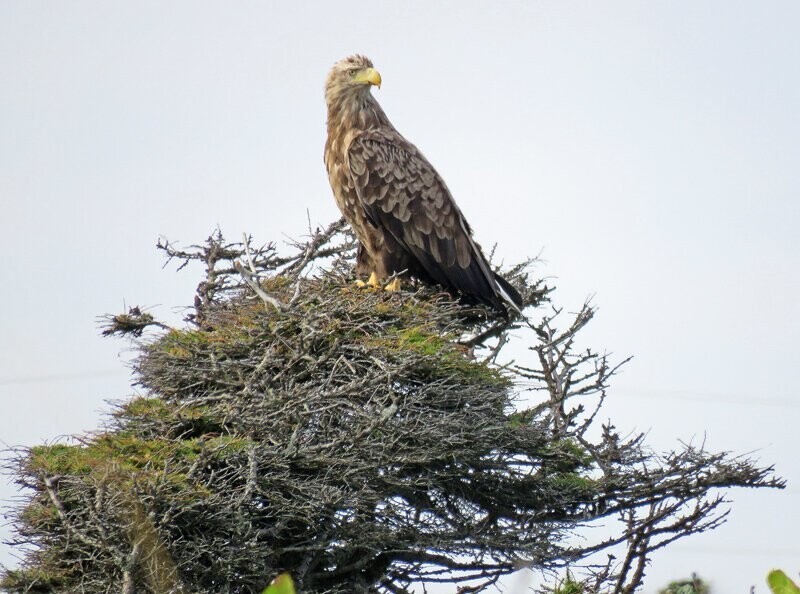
x: 649, y: 148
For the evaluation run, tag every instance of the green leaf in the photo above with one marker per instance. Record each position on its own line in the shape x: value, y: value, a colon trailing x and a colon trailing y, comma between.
x: 283, y: 584
x: 780, y: 583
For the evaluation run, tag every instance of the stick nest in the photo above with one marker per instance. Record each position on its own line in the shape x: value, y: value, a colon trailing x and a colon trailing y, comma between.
x: 364, y: 441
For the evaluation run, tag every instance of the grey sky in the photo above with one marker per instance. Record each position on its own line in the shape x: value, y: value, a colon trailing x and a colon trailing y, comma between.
x: 649, y: 148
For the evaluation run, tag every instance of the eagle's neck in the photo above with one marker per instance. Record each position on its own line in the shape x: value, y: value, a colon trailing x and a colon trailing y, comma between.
x: 350, y: 113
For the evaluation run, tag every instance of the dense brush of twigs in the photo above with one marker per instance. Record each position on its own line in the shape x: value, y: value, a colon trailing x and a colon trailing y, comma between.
x: 362, y: 440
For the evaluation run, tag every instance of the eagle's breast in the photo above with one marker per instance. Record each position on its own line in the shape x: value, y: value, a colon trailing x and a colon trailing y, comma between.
x: 341, y: 174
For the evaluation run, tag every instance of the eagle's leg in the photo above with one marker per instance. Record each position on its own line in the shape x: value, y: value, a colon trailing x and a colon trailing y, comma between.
x: 393, y: 286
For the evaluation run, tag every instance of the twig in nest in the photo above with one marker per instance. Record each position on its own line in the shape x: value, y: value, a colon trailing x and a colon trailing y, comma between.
x: 134, y: 322
x: 250, y: 279
x: 246, y: 244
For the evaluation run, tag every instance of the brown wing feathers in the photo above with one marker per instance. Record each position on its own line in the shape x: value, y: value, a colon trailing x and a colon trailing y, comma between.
x: 402, y: 193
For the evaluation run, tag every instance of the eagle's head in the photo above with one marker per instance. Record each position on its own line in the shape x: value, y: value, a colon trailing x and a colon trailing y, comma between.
x: 352, y: 76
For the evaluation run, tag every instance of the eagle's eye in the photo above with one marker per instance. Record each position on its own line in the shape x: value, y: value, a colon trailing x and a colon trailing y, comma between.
x: 352, y: 72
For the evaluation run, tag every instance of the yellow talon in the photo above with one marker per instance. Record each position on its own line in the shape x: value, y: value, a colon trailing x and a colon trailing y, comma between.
x: 393, y: 286
x: 371, y: 282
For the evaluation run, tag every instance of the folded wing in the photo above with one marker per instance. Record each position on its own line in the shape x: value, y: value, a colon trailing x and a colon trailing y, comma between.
x: 403, y: 194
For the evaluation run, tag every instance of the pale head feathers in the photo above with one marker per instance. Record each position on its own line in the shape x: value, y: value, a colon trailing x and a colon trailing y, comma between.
x: 342, y: 72
x: 343, y: 82
x: 351, y: 106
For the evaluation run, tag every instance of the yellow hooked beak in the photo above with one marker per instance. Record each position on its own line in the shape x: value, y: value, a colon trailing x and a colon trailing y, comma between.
x: 369, y: 76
